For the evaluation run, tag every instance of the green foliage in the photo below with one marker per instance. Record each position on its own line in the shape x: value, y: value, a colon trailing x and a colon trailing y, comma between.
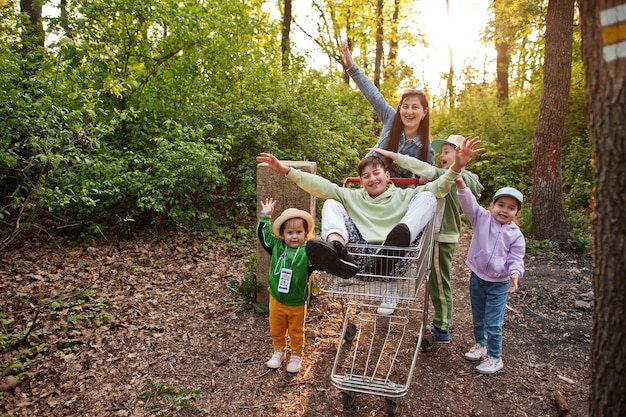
x: 580, y: 241
x: 506, y: 133
x: 23, y: 361
x: 48, y: 332
x: 164, y: 400
x: 247, y: 289
x: 316, y: 287
x: 545, y: 248
x: 577, y: 173
x: 150, y: 114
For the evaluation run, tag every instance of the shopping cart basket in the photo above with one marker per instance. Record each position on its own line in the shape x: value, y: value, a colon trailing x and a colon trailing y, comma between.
x: 377, y: 353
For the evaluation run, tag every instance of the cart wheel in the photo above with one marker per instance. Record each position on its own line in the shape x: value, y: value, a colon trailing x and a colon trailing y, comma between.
x: 392, y: 406
x: 428, y: 342
x: 350, y: 332
x: 347, y: 399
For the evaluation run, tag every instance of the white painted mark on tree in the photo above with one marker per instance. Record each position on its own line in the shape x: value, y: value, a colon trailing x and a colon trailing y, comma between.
x: 613, y: 23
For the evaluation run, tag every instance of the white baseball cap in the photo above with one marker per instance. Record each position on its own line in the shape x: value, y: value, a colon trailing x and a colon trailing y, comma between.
x: 455, y: 140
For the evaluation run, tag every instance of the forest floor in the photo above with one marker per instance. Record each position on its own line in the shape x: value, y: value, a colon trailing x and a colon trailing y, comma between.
x: 145, y: 328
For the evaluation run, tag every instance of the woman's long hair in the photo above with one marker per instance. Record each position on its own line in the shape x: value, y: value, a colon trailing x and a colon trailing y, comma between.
x: 397, y: 127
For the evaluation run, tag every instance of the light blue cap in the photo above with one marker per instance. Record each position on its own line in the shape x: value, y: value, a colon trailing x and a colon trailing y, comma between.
x: 511, y: 192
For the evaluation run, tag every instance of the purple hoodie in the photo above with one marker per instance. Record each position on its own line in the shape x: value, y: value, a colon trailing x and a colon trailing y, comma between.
x: 497, y: 250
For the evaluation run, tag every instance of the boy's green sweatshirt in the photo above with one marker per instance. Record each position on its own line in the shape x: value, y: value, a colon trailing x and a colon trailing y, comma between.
x: 449, y: 208
x: 374, y: 217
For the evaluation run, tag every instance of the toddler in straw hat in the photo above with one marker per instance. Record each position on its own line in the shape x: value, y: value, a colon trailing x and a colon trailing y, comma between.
x: 288, y: 280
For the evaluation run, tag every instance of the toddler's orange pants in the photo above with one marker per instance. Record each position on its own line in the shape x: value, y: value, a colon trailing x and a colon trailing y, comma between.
x: 287, y: 319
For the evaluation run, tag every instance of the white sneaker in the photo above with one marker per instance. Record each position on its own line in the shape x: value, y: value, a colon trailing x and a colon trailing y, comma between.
x: 276, y: 360
x: 490, y: 365
x: 476, y: 353
x: 388, y: 306
x: 294, y: 364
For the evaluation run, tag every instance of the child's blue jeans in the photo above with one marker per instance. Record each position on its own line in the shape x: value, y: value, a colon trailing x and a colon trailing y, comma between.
x: 488, y: 305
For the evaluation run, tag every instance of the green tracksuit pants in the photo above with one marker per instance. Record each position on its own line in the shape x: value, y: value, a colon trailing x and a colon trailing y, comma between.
x: 440, y: 284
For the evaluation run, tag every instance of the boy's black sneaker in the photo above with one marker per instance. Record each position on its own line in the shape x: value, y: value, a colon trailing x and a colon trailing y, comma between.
x: 331, y: 257
x: 386, y: 260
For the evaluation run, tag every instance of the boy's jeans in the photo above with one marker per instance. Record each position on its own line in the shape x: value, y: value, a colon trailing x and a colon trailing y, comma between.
x: 488, y: 305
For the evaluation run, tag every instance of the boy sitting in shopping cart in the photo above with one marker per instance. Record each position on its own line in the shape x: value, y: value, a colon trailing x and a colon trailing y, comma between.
x: 378, y: 212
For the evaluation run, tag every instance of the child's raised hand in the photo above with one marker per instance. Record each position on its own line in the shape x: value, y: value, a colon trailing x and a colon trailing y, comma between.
x: 267, y: 207
x: 385, y: 153
x: 267, y: 160
x: 346, y: 55
x: 466, y: 151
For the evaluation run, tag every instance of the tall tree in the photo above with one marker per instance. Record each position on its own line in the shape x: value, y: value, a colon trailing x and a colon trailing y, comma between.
x: 379, y: 42
x: 549, y: 220
x: 285, y: 45
x: 33, y: 36
x: 503, y: 57
x: 393, y: 41
x: 515, y: 32
x: 34, y: 32
x: 602, y: 28
x: 450, y: 83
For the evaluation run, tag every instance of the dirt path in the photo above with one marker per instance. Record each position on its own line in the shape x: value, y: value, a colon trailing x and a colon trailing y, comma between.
x: 118, y: 325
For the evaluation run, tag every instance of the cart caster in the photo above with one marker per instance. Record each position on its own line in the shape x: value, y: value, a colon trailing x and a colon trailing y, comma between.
x: 392, y: 406
x: 428, y: 342
x: 350, y: 332
x: 347, y: 399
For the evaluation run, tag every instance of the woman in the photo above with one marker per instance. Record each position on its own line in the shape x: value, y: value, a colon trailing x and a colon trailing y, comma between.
x: 406, y: 130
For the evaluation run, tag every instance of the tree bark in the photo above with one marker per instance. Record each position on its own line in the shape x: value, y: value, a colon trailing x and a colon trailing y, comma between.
x: 549, y: 220
x: 605, y: 91
x: 503, y: 61
x: 285, y: 45
x: 379, y: 42
x: 450, y: 82
x: 393, y: 41
x: 502, y: 45
x: 34, y: 35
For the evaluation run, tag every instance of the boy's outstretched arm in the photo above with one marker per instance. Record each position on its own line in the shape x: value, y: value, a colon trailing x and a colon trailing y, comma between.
x: 267, y: 160
x: 465, y: 152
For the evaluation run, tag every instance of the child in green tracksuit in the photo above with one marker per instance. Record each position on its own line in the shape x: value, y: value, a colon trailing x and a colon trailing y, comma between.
x: 288, y: 280
x: 447, y: 229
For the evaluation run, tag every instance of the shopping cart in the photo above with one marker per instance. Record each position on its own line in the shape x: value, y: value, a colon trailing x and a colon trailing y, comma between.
x: 377, y: 353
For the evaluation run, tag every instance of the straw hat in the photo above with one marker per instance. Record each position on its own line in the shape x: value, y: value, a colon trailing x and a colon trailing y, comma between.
x: 293, y: 213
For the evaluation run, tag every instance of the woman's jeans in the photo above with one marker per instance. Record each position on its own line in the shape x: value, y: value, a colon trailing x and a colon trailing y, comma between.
x: 488, y: 305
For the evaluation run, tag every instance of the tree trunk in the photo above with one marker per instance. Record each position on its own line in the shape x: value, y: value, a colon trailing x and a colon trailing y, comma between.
x: 393, y: 41
x: 549, y: 220
x: 285, y: 49
x: 379, y: 42
x: 503, y: 61
x: 34, y: 35
x: 605, y: 90
x: 450, y: 83
x: 504, y: 36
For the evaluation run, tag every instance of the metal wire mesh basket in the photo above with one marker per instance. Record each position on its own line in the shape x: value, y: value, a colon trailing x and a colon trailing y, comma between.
x: 383, y: 269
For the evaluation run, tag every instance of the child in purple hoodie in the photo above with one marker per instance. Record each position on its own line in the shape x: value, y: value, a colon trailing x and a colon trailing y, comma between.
x: 496, y: 261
